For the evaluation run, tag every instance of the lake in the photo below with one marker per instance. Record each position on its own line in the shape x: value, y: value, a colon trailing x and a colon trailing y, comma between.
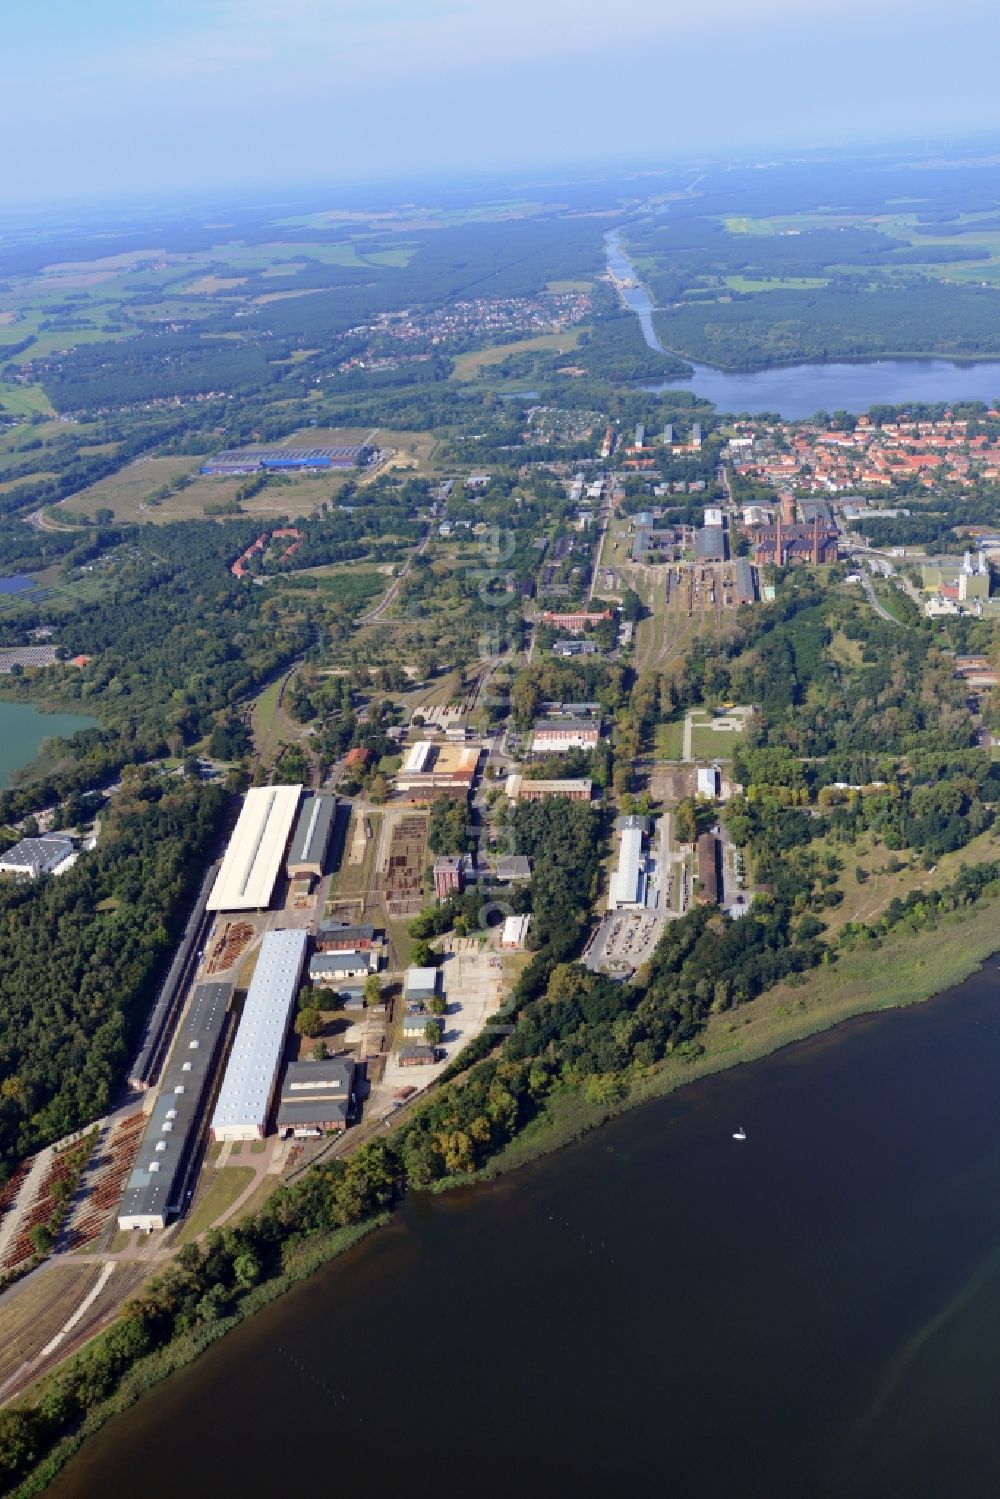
x: 22, y: 729
x: 16, y: 583
x: 656, y: 1310
x: 798, y: 391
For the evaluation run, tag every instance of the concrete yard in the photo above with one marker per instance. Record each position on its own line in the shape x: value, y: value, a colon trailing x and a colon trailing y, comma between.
x: 472, y: 983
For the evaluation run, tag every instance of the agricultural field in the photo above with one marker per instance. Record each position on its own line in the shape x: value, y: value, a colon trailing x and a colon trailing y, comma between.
x: 135, y: 493
x: 470, y: 366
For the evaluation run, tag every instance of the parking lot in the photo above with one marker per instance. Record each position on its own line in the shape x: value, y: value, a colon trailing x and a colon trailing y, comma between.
x: 624, y: 941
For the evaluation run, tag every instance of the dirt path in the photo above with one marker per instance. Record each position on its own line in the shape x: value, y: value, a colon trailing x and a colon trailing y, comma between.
x: 389, y: 598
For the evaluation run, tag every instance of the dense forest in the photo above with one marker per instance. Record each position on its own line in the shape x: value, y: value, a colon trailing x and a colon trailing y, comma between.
x: 82, y: 954
x: 835, y: 322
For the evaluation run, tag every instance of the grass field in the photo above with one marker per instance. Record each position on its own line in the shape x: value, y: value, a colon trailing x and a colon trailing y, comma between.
x: 709, y: 744
x: 470, y: 366
x: 220, y: 1192
x: 24, y: 400
x: 775, y: 283
x: 348, y: 586
x: 39, y: 478
x: 669, y: 740
x: 204, y: 286
x: 127, y: 494
x: 350, y: 879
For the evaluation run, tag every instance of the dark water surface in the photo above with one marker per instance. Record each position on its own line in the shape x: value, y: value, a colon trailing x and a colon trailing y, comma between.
x: 658, y: 1310
x: 24, y: 728
x: 799, y: 391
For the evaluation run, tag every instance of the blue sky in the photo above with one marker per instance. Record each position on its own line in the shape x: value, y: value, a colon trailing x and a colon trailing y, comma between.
x: 117, y: 97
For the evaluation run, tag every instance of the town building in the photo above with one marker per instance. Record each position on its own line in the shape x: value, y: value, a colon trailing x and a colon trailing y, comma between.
x: 448, y: 871
x: 782, y: 544
x: 328, y: 969
x: 511, y: 868
x: 710, y: 544
x: 417, y: 1056
x: 311, y: 838
x: 256, y: 849
x: 315, y: 1098
x: 520, y: 788
x: 338, y: 936
x: 655, y: 544
x: 414, y: 1025
x: 155, y: 1190
x: 577, y: 621
x: 514, y: 933
x: 567, y: 649
x: 247, y: 1091
x: 554, y: 736
x: 432, y: 770
x: 53, y: 853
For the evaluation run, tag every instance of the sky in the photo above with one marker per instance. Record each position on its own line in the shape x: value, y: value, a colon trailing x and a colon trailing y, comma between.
x: 110, y: 98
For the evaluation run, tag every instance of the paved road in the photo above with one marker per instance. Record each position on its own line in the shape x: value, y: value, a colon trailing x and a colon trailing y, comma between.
x: 687, y: 752
x: 880, y: 609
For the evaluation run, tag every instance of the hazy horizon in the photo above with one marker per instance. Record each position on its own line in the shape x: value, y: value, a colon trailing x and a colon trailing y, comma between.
x: 190, y: 96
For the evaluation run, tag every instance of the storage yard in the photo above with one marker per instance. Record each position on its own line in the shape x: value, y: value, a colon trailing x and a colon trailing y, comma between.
x: 230, y: 1098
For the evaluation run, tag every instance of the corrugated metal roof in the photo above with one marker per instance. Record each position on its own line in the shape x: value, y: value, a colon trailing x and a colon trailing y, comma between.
x: 253, y: 858
x: 311, y: 838
x: 248, y: 1086
x: 175, y: 1121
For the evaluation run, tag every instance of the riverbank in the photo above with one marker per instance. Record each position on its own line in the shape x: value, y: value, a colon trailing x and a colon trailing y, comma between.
x: 700, y: 366
x: 903, y: 970
x: 183, y: 1351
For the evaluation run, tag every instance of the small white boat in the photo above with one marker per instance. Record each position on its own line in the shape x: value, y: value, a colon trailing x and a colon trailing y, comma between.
x: 739, y: 1134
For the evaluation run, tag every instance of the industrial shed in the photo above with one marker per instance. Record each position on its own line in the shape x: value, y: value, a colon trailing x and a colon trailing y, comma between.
x: 420, y: 985
x: 154, y: 1192
x: 628, y: 882
x: 315, y: 1097
x: 329, y: 968
x: 710, y: 544
x: 708, y: 870
x: 33, y: 857
x: 253, y: 858
x: 248, y: 1086
x: 311, y: 838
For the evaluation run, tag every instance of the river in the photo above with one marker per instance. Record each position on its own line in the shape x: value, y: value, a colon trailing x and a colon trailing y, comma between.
x: 798, y: 391
x: 658, y: 1309
x: 23, y: 727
